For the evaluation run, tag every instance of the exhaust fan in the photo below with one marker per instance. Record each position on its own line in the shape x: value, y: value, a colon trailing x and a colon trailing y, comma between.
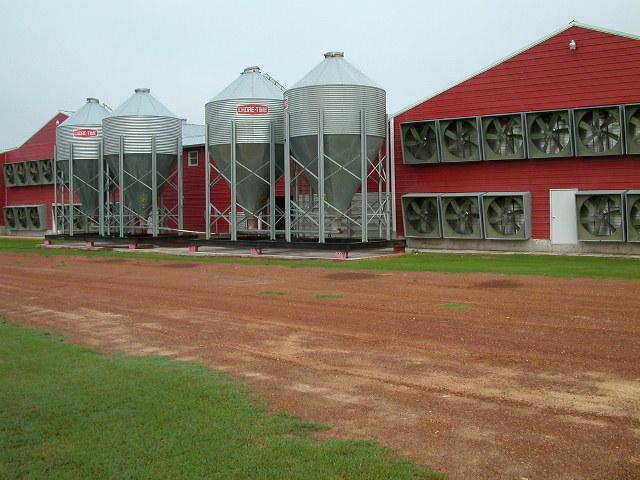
x: 33, y: 173
x: 633, y: 215
x: 419, y: 142
x: 503, y: 137
x: 632, y: 123
x: 461, y: 215
x: 507, y: 215
x: 37, y: 217
x: 549, y: 134
x: 9, y: 174
x: 21, y: 174
x: 421, y: 215
x: 598, y: 131
x: 10, y: 217
x: 600, y: 216
x: 46, y: 170
x: 459, y: 139
x: 21, y: 218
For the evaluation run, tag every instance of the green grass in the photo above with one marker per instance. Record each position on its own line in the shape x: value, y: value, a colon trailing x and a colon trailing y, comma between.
x: 456, y: 306
x: 329, y: 295
x: 277, y: 293
x: 67, y: 412
x: 517, y: 264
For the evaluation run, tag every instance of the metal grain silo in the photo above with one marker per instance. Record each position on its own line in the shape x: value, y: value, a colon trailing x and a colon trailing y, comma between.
x: 142, y: 143
x: 78, y: 144
x: 336, y: 127
x: 245, y: 142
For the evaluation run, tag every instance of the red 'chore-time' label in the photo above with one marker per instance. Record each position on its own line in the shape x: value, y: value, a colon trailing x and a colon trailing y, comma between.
x: 85, y: 133
x: 252, y: 109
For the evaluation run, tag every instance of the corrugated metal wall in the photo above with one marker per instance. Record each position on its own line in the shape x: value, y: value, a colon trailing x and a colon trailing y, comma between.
x: 603, y: 70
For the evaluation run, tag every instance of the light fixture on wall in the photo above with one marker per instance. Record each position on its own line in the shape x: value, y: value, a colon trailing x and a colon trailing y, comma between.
x: 572, y: 45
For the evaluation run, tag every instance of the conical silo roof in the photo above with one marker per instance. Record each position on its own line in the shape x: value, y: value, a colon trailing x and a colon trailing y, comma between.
x: 142, y: 103
x: 251, y: 84
x: 91, y: 113
x: 335, y: 70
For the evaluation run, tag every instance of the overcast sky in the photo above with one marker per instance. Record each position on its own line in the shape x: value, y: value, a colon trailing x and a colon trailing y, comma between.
x: 53, y: 54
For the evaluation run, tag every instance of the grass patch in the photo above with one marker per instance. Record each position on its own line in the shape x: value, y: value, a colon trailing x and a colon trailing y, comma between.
x: 516, y: 264
x: 276, y: 293
x: 329, y: 295
x: 67, y: 412
x: 456, y: 306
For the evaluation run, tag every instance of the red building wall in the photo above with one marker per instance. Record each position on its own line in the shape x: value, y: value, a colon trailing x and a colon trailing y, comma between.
x: 603, y: 70
x: 39, y: 147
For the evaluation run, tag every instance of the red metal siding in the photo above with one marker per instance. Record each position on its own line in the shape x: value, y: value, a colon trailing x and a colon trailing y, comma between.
x: 40, y: 146
x: 604, y: 69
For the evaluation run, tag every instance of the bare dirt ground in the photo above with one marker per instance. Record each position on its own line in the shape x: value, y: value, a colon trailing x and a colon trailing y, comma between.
x: 530, y: 378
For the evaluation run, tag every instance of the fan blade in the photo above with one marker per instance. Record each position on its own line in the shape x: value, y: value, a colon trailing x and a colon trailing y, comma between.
x: 450, y: 134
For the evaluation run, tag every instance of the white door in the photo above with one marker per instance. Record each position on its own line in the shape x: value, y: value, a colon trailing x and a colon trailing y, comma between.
x: 564, y: 227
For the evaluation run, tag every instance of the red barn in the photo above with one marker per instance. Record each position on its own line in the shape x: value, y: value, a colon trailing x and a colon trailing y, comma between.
x: 552, y: 133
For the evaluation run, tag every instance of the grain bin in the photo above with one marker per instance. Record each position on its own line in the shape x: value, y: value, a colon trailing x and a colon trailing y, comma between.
x: 336, y: 113
x: 245, y: 141
x: 141, y: 137
x: 78, y: 143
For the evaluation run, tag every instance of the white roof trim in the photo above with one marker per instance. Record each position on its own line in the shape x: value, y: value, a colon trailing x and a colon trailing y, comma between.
x: 573, y: 23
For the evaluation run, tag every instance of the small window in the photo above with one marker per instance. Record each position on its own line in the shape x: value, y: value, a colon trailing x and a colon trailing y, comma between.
x: 193, y: 158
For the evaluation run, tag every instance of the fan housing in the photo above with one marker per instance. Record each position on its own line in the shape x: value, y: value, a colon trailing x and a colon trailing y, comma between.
x: 600, y: 215
x: 9, y: 174
x: 503, y: 137
x: 419, y: 142
x: 549, y: 134
x: 10, y: 218
x: 421, y: 215
x: 36, y: 217
x: 33, y: 172
x: 460, y: 140
x: 632, y: 215
x: 632, y: 129
x: 461, y: 215
x: 598, y: 131
x: 46, y: 170
x: 506, y: 215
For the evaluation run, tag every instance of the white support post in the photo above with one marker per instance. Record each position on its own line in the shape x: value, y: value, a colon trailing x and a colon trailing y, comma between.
x: 207, y: 185
x: 180, y: 187
x: 55, y: 190
x: 364, y: 164
x: 71, y: 192
x: 234, y: 199
x: 121, y: 186
x: 321, y: 222
x: 387, y: 182
x: 287, y: 179
x: 154, y: 188
x: 272, y: 182
x: 101, y: 197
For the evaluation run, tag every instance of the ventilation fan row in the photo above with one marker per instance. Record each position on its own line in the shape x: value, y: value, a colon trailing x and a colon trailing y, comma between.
x: 594, y: 131
x: 26, y: 217
x: 493, y: 215
x: 32, y: 172
x: 608, y: 216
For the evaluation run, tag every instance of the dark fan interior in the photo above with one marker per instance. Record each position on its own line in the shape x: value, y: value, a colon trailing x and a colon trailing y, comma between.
x: 550, y: 132
x: 506, y: 215
x: 9, y: 174
x: 599, y: 130
x: 601, y: 215
x: 504, y: 135
x: 47, y: 170
x: 10, y: 217
x: 20, y: 173
x: 461, y: 139
x: 22, y: 217
x: 634, y: 128
x: 634, y: 215
x: 420, y: 141
x: 34, y: 217
x: 422, y: 214
x: 34, y: 171
x: 462, y: 215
